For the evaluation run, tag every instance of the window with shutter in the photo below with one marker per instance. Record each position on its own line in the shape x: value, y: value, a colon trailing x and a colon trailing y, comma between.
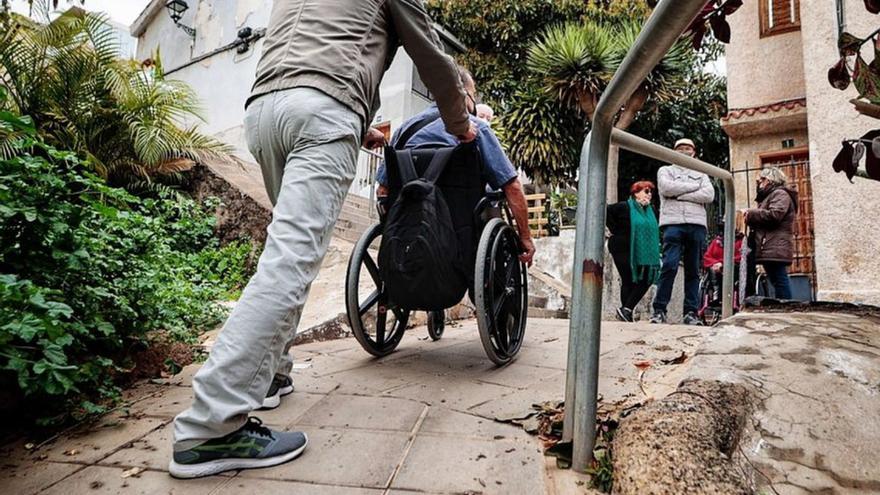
x: 779, y: 16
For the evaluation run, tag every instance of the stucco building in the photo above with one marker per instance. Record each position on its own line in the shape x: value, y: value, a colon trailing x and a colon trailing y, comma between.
x: 783, y: 112
x: 216, y: 53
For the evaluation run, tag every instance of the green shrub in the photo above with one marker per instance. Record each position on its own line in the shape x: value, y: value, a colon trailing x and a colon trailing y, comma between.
x: 87, y: 271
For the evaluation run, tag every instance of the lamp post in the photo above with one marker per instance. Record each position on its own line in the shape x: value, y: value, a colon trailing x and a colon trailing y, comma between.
x: 176, y: 8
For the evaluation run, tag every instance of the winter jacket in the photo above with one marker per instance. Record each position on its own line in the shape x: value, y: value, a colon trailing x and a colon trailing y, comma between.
x: 617, y: 220
x: 773, y: 224
x: 715, y: 252
x: 683, y: 196
x: 344, y: 47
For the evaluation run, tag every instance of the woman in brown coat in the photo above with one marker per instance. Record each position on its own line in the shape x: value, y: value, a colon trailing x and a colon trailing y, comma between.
x: 773, y: 224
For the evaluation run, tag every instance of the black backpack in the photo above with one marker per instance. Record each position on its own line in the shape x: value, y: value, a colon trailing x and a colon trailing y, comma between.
x: 419, y: 256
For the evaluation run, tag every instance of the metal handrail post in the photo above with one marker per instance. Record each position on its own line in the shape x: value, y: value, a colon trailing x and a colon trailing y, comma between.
x: 669, y: 19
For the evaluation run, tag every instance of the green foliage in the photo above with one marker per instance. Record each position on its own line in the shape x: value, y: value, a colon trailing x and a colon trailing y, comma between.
x: 575, y: 60
x: 542, y: 136
x: 124, y: 117
x: 88, y: 270
x: 544, y: 63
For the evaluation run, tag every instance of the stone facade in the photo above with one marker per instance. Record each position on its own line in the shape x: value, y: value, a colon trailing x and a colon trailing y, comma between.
x: 780, y: 98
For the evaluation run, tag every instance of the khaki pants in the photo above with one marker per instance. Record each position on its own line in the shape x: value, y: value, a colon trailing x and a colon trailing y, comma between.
x: 307, y: 145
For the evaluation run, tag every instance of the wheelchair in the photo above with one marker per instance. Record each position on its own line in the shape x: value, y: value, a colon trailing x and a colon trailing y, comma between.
x: 490, y: 248
x: 710, y: 306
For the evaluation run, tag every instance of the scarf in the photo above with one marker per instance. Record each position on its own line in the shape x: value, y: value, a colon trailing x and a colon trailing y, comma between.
x: 644, y: 242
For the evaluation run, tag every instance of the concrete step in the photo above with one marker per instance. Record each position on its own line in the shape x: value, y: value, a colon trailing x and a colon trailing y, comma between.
x: 548, y: 313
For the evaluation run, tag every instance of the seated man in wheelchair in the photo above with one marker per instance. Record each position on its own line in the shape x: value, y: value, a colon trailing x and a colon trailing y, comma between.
x: 497, y: 171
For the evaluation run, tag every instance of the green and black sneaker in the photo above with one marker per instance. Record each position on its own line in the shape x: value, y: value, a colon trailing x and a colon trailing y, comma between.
x: 251, y: 446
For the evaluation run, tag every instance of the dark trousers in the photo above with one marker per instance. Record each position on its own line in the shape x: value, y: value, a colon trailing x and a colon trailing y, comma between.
x: 681, y: 243
x: 778, y: 274
x: 630, y: 292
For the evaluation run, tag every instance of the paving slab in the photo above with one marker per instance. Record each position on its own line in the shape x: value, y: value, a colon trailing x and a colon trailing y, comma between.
x: 441, y: 420
x: 26, y: 477
x: 488, y: 467
x: 243, y: 486
x: 92, y: 443
x: 98, y: 480
x: 367, y: 413
x: 342, y: 457
x: 165, y: 403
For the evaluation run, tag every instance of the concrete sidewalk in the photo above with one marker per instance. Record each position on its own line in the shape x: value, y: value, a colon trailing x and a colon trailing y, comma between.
x: 419, y: 421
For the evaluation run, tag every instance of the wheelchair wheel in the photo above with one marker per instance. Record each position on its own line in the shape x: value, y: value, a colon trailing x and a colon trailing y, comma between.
x: 377, y: 323
x: 501, y: 292
x: 436, y: 324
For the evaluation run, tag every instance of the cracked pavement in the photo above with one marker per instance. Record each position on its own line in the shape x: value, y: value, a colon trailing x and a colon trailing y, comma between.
x: 421, y: 420
x: 817, y: 376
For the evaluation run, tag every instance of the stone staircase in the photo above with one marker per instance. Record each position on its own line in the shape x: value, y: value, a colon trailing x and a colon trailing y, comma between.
x: 356, y: 217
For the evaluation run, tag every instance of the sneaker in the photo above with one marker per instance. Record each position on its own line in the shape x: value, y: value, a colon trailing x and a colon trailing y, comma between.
x: 251, y: 446
x: 658, y: 317
x: 625, y: 314
x: 280, y: 387
x: 691, y: 319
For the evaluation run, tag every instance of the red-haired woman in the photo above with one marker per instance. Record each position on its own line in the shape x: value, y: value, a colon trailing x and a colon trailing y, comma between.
x: 634, y: 245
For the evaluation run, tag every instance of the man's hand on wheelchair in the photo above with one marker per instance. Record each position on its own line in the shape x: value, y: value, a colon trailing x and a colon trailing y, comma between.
x: 528, y: 253
x: 717, y: 267
x: 470, y: 135
x: 373, y: 139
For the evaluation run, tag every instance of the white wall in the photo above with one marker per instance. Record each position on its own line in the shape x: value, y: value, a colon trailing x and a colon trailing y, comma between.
x: 224, y: 81
x: 846, y: 215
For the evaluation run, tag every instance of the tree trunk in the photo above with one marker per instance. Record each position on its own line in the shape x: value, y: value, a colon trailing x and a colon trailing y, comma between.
x: 635, y: 103
x: 588, y: 102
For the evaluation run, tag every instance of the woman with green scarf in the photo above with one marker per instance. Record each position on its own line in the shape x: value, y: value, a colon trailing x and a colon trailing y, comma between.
x: 634, y: 245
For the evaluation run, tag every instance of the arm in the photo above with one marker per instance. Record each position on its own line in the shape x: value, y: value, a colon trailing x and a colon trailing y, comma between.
x: 436, y: 69
x: 715, y: 254
x: 519, y: 207
x: 704, y: 195
x: 777, y: 207
x: 671, y: 188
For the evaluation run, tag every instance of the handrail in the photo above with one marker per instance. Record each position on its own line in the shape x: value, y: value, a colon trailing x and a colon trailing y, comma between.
x: 669, y: 20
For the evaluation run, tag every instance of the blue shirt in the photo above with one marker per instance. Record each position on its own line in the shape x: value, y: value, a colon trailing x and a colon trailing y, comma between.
x: 497, y: 169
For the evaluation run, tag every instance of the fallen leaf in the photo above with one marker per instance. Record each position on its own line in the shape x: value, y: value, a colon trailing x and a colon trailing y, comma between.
x: 28, y: 446
x: 676, y: 360
x: 133, y: 472
x: 71, y: 452
x: 643, y: 365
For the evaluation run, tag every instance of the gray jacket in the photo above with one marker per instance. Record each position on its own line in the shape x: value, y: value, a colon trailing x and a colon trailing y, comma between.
x: 344, y: 47
x: 683, y: 195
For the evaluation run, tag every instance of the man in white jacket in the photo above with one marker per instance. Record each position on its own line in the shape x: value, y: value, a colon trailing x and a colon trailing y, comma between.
x: 684, y: 194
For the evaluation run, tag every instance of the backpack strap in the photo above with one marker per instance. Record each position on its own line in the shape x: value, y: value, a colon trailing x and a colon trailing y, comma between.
x: 438, y: 164
x: 406, y: 166
x: 413, y: 129
x: 432, y: 173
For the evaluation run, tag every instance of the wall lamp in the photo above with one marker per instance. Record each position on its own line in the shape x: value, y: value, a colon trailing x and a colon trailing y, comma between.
x: 176, y: 8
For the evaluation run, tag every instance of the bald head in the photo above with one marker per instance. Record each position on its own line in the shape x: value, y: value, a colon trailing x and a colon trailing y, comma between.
x: 485, y: 112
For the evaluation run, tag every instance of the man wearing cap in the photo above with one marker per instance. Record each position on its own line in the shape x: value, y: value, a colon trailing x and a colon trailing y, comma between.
x: 684, y: 194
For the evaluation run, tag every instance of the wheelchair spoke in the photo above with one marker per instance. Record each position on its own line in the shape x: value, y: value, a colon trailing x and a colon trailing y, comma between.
x: 499, y: 305
x: 372, y: 268
x: 381, y: 320
x: 369, y: 303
